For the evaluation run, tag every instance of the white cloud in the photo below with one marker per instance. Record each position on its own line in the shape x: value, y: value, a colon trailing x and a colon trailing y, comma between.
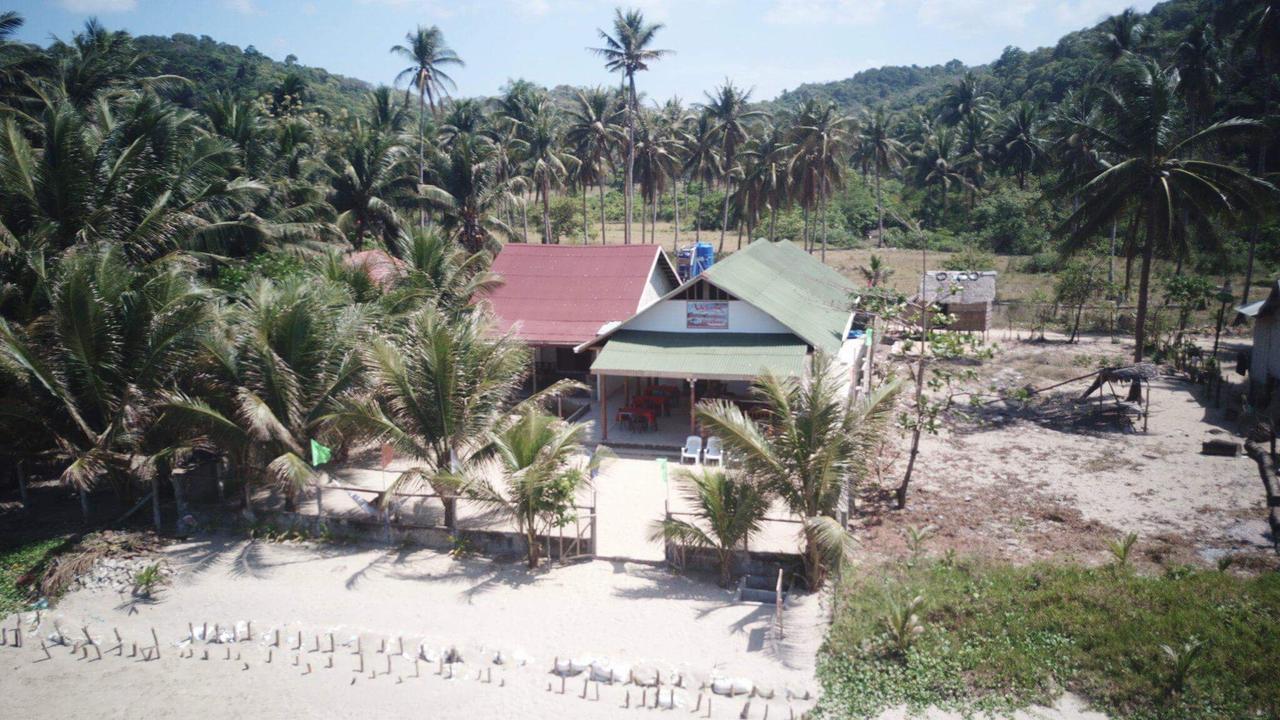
x: 973, y: 16
x: 98, y: 6
x: 244, y: 7
x: 817, y: 12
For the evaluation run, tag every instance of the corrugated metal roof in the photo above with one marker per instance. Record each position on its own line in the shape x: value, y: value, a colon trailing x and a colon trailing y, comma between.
x: 950, y: 286
x: 725, y: 356
x: 381, y: 267
x: 791, y: 285
x: 563, y: 294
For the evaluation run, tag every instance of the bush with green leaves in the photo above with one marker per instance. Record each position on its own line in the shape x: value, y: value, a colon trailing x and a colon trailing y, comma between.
x: 1195, y: 645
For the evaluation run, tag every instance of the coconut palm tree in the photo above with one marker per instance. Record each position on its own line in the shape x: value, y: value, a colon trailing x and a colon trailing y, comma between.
x: 547, y: 164
x: 817, y: 442
x: 81, y: 379
x: 1123, y: 36
x: 370, y: 174
x: 145, y: 176
x: 674, y: 122
x: 439, y: 271
x: 965, y: 97
x: 728, y: 511
x: 886, y: 154
x: 291, y: 350
x: 767, y: 179
x: 875, y: 272
x: 656, y: 160
x: 1020, y: 143
x: 1152, y: 171
x: 469, y: 195
x: 702, y: 162
x: 628, y: 51
x: 1257, y: 27
x: 822, y: 144
x: 541, y: 461
x: 441, y: 386
x: 728, y: 109
x: 938, y: 165
x: 428, y: 54
x: 591, y: 136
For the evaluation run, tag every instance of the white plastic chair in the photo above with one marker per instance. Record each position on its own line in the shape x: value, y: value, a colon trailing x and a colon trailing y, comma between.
x: 692, y: 449
x: 714, y: 452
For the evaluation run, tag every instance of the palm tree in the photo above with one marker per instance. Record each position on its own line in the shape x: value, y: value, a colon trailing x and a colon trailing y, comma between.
x: 546, y: 161
x: 628, y: 51
x: 428, y: 54
x: 1150, y: 171
x: 384, y: 113
x: 592, y: 135
x: 728, y: 512
x: 440, y: 271
x: 146, y: 177
x: 539, y: 458
x: 938, y: 164
x: 441, y: 385
x: 1020, y: 143
x: 370, y: 174
x: 886, y: 153
x: 676, y: 138
x: 728, y: 110
x: 656, y: 160
x: 818, y: 442
x: 81, y: 380
x: 822, y: 142
x: 963, y: 98
x: 1257, y: 23
x: 468, y: 193
x: 1124, y: 36
x: 875, y: 272
x: 703, y: 163
x: 291, y: 352
x: 767, y: 178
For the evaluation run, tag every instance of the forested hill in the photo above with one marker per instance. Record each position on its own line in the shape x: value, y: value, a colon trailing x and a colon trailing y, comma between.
x: 1042, y: 75
x: 214, y: 67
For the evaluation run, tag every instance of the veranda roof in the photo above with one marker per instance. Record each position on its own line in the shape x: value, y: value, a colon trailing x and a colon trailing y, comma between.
x: 720, y: 356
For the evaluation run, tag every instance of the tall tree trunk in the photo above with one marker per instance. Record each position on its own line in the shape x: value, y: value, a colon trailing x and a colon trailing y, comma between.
x: 740, y: 232
x: 628, y: 200
x: 422, y: 142
x: 824, y: 202
x: 546, y: 213
x: 1111, y: 259
x: 773, y: 223
x: 724, y: 211
x: 805, y: 240
x: 653, y: 227
x: 697, y: 221
x: 585, y: 240
x: 879, y: 210
x: 602, y: 233
x: 675, y: 205
x: 1144, y: 286
x: 644, y: 211
x: 1261, y: 169
x: 524, y: 217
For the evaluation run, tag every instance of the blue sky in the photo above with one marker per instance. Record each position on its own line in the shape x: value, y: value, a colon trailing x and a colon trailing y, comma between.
x: 770, y: 45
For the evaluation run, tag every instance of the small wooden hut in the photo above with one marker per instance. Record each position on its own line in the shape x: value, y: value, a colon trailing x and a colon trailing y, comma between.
x: 965, y: 294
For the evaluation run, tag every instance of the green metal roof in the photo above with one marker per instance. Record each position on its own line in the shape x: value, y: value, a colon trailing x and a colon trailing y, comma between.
x: 725, y: 356
x: 786, y: 282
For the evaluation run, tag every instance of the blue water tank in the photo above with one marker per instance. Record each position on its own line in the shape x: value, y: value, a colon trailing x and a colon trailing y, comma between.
x: 693, y: 260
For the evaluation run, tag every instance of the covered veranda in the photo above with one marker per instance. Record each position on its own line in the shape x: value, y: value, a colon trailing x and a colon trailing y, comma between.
x: 648, y: 384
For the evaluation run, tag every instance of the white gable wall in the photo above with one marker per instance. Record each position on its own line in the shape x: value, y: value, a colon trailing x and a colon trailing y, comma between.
x: 659, y: 284
x: 670, y: 316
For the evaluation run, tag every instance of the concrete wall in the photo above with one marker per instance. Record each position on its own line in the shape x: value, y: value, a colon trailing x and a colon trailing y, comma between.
x: 669, y: 316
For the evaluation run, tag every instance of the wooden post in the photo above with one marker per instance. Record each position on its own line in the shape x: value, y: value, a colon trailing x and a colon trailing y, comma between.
x: 693, y: 401
x: 22, y: 486
x: 604, y: 406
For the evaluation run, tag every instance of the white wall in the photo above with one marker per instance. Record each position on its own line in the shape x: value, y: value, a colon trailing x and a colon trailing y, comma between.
x: 669, y: 316
x: 659, y: 284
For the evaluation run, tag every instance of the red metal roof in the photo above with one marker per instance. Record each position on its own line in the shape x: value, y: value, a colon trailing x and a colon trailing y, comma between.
x: 377, y: 264
x: 562, y: 294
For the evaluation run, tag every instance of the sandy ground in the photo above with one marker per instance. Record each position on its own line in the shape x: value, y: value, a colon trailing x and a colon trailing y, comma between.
x: 1025, y: 485
x: 635, y: 615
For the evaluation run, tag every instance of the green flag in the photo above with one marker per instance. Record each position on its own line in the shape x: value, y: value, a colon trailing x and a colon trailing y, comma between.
x: 319, y: 454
